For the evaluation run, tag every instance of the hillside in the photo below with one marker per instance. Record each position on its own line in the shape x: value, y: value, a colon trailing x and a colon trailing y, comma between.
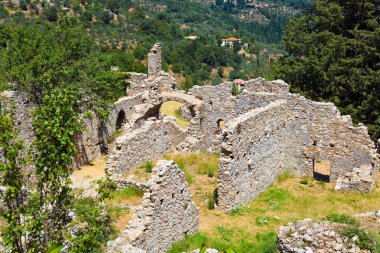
x: 191, y: 33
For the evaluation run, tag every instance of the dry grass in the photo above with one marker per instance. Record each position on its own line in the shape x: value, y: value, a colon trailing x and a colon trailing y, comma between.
x: 140, y: 174
x: 122, y: 207
x: 171, y: 108
x: 286, y: 200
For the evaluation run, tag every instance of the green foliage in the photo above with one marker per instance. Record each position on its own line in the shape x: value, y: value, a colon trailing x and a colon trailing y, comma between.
x: 365, y: 240
x: 211, y: 198
x: 235, y: 90
x: 13, y: 179
x: 148, y: 166
x: 187, y: 84
x: 334, y: 56
x: 58, y: 55
x: 92, y: 223
x: 127, y: 192
x: 105, y: 188
x: 343, y: 218
x: 208, y: 168
x: 55, y: 124
x: 304, y: 181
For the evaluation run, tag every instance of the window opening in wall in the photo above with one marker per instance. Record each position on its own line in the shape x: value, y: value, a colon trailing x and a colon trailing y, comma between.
x: 121, y: 119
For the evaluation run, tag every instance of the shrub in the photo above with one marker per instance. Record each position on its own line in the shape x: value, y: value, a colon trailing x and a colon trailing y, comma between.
x: 149, y: 166
x: 91, y: 227
x: 235, y: 90
x: 177, y: 68
x: 51, y: 14
x: 211, y: 200
x: 304, y: 181
x: 364, y: 241
x: 343, y: 218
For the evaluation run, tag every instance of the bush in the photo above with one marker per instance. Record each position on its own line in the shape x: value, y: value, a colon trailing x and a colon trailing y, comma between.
x: 235, y: 90
x: 51, y: 14
x: 304, y: 181
x: 90, y: 228
x: 343, y: 219
x: 177, y: 68
x: 364, y: 241
x: 211, y: 200
x: 149, y: 166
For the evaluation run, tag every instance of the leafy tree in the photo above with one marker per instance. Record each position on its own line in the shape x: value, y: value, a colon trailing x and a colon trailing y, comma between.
x: 187, y: 84
x: 23, y: 5
x: 58, y: 55
x: 55, y: 124
x: 51, y: 13
x: 334, y: 55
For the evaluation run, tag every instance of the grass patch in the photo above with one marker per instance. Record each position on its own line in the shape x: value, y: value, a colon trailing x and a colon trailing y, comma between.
x: 171, y: 108
x: 304, y: 181
x: 286, y: 200
x: 241, y: 210
x: 115, y: 135
x: 342, y: 218
x: 284, y: 176
x: 148, y: 166
x: 208, y: 168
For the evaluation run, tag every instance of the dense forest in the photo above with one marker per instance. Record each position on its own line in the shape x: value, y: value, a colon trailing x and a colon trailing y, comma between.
x: 333, y: 54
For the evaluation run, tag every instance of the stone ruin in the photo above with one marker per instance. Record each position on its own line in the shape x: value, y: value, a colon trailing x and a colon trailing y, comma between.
x: 306, y: 236
x: 167, y: 214
x: 261, y: 132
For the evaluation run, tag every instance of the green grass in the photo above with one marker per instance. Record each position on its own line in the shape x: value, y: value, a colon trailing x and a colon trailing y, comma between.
x: 127, y: 192
x: 261, y: 242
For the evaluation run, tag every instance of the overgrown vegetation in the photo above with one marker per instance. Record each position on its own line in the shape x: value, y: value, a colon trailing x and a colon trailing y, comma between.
x: 252, y: 227
x: 333, y: 55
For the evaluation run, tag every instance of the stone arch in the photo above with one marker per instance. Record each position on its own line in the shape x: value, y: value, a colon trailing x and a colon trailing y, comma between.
x: 120, y: 120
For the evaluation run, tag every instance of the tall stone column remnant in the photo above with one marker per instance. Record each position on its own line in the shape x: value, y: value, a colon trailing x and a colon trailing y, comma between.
x: 155, y: 60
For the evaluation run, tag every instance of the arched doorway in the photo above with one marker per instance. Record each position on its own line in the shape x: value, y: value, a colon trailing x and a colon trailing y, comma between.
x: 121, y: 120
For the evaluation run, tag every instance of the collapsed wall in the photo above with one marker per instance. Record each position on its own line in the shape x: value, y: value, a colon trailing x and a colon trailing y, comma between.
x: 291, y: 134
x: 252, y: 154
x: 152, y: 140
x: 167, y: 214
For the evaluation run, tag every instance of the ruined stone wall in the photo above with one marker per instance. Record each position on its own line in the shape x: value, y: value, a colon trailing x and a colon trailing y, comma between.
x: 22, y: 109
x: 317, y: 132
x: 152, y: 140
x: 252, y: 154
x: 290, y: 134
x: 155, y: 60
x: 219, y: 105
x: 136, y: 83
x: 167, y: 214
x: 261, y: 85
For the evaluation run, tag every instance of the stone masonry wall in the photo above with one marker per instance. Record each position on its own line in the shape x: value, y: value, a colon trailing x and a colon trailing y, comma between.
x: 167, y: 214
x: 221, y: 105
x: 252, y: 154
x: 155, y: 60
x: 152, y: 140
x: 263, y: 142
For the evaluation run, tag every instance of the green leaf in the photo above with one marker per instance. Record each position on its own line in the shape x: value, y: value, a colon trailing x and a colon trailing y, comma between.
x: 55, y: 248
